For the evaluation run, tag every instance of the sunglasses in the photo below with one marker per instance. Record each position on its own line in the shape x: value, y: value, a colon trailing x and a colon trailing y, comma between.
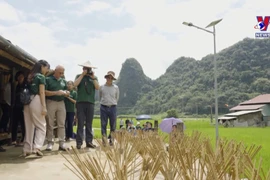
x: 109, y: 77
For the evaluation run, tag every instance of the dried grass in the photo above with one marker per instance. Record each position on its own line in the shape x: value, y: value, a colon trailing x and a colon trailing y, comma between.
x: 147, y: 156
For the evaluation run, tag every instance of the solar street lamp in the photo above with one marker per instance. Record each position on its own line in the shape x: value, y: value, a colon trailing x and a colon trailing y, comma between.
x: 212, y: 24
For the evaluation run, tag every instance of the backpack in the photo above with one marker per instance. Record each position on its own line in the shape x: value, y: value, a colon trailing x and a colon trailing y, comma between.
x: 25, y: 95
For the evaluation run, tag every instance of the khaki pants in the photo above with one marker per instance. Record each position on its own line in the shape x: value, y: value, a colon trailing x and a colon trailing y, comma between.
x: 35, y: 123
x: 56, y: 109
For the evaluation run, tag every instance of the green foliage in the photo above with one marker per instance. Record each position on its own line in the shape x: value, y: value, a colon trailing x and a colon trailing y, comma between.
x: 172, y: 113
x: 188, y: 85
x: 261, y: 85
x: 131, y: 82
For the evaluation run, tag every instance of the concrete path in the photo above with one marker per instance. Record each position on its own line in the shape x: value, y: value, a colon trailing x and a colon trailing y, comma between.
x: 50, y: 167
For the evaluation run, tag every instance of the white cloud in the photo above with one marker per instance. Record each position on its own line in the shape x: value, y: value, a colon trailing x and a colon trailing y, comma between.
x: 92, y: 6
x: 51, y: 11
x: 72, y: 2
x: 8, y: 13
x: 168, y: 17
x: 154, y: 51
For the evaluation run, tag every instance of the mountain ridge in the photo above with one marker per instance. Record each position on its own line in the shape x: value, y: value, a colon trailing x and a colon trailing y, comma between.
x: 187, y: 84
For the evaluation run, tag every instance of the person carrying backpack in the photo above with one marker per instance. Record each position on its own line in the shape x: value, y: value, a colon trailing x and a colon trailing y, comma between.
x: 35, y: 111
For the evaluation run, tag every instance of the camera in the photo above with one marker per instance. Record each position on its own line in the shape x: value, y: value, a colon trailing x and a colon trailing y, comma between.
x: 89, y: 71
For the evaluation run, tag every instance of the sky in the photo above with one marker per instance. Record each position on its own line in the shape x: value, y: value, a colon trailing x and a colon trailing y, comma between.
x: 107, y: 32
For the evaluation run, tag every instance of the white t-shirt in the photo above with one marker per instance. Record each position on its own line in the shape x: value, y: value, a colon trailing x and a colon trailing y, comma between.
x: 7, y: 94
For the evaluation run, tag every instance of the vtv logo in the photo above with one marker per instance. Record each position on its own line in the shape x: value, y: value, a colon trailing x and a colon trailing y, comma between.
x: 262, y: 23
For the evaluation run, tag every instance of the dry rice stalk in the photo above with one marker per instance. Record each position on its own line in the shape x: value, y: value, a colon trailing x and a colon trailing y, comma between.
x: 143, y: 155
x: 86, y: 166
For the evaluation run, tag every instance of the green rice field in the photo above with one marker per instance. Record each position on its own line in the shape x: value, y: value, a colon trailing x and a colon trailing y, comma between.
x: 248, y: 135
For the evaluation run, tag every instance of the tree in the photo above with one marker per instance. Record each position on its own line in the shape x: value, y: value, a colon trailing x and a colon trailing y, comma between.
x: 172, y: 113
x: 261, y: 85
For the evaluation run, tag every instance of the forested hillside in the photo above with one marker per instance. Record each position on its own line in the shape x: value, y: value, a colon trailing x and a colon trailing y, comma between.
x: 132, y: 82
x: 188, y: 84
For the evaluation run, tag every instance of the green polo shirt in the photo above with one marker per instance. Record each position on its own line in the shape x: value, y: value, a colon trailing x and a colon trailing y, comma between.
x: 70, y: 106
x: 53, y: 84
x: 86, y: 90
x: 37, y: 80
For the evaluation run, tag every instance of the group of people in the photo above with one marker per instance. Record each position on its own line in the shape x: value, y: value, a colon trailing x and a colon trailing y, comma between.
x: 10, y: 101
x: 53, y: 99
x: 148, y: 126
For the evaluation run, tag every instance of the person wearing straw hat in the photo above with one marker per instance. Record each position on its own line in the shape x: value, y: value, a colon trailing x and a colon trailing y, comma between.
x: 86, y: 84
x: 109, y: 95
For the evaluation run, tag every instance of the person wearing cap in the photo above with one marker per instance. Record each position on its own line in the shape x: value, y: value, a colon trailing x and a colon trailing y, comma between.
x: 131, y: 127
x: 56, y: 91
x: 86, y: 84
x: 109, y: 95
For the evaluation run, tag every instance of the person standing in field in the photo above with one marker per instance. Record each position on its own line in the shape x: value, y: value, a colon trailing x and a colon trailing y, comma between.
x: 109, y: 95
x: 121, y: 123
x: 70, y: 102
x: 86, y: 84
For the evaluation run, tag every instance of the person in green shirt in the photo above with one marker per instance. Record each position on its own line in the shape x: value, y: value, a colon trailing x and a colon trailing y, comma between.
x: 34, y: 113
x: 56, y: 91
x: 86, y: 84
x: 70, y: 102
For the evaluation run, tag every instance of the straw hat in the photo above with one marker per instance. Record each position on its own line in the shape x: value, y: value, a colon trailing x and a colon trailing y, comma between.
x: 110, y: 73
x: 87, y: 64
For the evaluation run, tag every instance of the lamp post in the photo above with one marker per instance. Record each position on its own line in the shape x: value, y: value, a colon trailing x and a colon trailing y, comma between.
x: 214, y: 23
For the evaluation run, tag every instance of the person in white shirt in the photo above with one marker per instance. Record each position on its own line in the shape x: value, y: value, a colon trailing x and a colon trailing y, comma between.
x: 109, y: 95
x: 121, y: 123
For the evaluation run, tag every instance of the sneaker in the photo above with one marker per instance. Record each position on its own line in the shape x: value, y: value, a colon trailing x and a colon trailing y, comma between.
x: 49, y: 147
x: 68, y: 139
x: 62, y: 148
x: 2, y: 149
x: 91, y: 145
x: 78, y: 146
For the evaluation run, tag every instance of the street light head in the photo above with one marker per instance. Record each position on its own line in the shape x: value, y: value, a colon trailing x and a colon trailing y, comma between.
x: 213, y: 23
x: 188, y: 24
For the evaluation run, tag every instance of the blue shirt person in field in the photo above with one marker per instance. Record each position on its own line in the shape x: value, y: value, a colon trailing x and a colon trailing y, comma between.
x: 109, y: 95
